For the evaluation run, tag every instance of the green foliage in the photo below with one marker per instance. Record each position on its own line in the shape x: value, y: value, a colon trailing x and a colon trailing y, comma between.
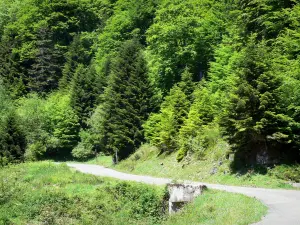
x: 162, y: 129
x: 287, y: 172
x: 49, y: 124
x: 91, y: 63
x: 12, y: 138
x: 200, y: 114
x: 79, y: 53
x: 255, y: 120
x: 131, y: 19
x: 183, y: 35
x: 62, y: 196
x: 37, y: 34
x: 62, y: 124
x: 12, y: 141
x: 31, y: 112
x: 45, y: 70
x: 84, y: 150
x: 35, y: 151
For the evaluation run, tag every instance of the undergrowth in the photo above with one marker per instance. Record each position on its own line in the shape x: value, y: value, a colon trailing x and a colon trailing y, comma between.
x: 44, y: 193
x: 213, y: 168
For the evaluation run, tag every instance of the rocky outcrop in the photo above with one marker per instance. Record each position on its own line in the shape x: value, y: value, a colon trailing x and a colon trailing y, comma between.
x: 180, y: 194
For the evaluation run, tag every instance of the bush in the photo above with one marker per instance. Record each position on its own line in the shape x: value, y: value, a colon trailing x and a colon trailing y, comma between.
x: 286, y: 172
x: 35, y: 151
x: 46, y: 193
x: 145, y: 152
x: 83, y: 152
x: 50, y: 125
x: 206, y: 138
x: 181, y: 154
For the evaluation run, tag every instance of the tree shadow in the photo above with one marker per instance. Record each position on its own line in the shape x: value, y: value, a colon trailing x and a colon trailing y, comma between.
x: 246, y: 162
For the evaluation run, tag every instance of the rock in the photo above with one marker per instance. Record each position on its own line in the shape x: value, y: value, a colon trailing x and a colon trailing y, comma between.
x: 231, y: 157
x: 214, y: 171
x: 180, y: 194
x: 262, y: 158
x: 220, y: 163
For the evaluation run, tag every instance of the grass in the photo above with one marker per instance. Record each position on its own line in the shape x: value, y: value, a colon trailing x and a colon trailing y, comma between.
x: 46, y: 193
x: 216, y: 169
x: 219, y: 208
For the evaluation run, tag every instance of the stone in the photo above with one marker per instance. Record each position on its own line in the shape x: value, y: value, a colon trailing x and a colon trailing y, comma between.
x: 231, y: 157
x: 214, y: 171
x: 262, y: 158
x: 180, y: 194
x: 296, y: 185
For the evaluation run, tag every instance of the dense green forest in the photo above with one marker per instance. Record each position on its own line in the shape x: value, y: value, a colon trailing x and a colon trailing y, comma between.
x: 83, y: 77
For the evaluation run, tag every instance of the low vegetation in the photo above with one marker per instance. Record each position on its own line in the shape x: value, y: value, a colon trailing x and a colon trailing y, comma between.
x: 46, y: 193
x: 219, y: 208
x: 213, y: 168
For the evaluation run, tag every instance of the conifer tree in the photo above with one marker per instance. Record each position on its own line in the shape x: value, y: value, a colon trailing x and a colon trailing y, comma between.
x: 255, y: 121
x: 200, y: 114
x: 187, y: 84
x: 162, y: 129
x: 84, y: 93
x: 10, y: 73
x: 12, y: 141
x: 45, y: 71
x: 78, y: 53
x: 126, y: 101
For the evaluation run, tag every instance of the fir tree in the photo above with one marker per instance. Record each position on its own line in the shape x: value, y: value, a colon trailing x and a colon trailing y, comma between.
x: 12, y: 141
x: 126, y: 101
x: 255, y: 121
x: 84, y: 93
x: 10, y: 71
x: 45, y: 71
x: 78, y: 53
x: 187, y: 84
x: 199, y: 115
x: 162, y: 129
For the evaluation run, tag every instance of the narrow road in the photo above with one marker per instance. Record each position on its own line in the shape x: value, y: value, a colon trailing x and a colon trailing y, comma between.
x: 284, y: 205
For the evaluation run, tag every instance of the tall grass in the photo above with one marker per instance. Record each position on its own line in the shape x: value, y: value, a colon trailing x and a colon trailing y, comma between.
x: 44, y: 193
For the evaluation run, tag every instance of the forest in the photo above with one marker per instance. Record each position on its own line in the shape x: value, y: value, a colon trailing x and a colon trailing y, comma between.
x: 80, y: 78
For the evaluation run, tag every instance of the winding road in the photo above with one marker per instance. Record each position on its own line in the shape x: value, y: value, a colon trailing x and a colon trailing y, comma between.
x: 284, y: 205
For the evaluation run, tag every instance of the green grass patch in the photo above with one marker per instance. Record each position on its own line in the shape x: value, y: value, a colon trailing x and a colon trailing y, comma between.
x: 219, y: 208
x: 45, y: 193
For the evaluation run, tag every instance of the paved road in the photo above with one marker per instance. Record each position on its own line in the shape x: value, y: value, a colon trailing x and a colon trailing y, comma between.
x: 284, y: 205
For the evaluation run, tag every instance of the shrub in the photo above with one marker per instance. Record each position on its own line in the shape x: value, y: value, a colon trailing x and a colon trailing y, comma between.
x: 35, y: 151
x: 83, y: 152
x: 46, y: 193
x: 286, y: 172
